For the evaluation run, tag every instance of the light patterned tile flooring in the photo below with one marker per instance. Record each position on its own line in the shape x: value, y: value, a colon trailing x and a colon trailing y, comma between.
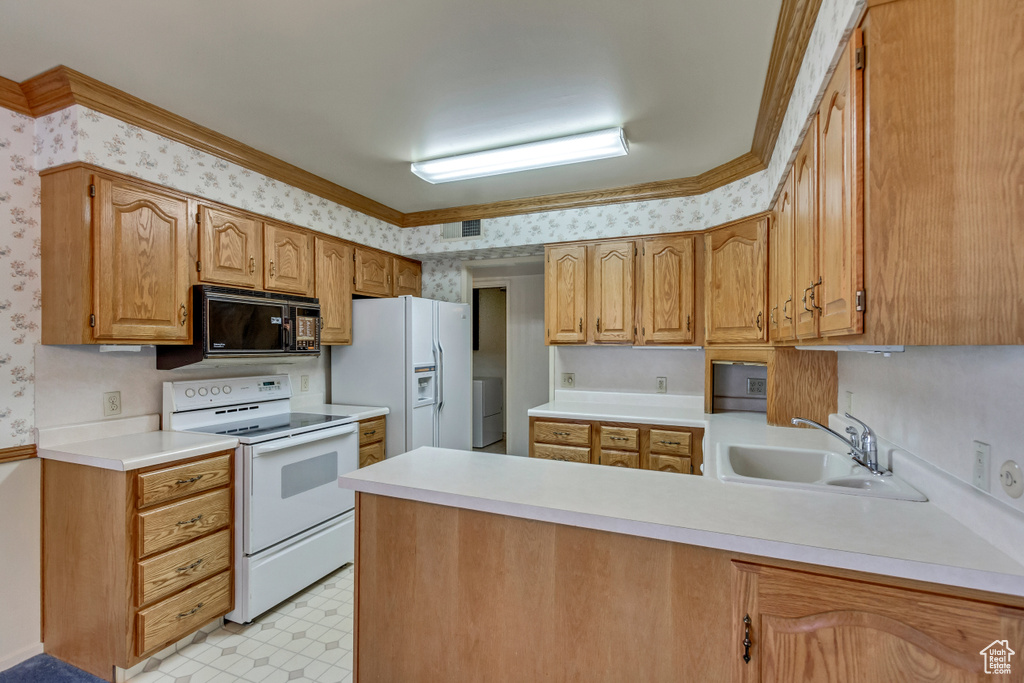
x: 307, y: 638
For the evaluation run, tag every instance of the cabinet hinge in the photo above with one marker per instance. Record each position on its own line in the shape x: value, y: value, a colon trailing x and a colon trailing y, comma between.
x: 860, y: 57
x: 199, y: 266
x: 92, y: 190
x: 861, y: 301
x: 92, y: 320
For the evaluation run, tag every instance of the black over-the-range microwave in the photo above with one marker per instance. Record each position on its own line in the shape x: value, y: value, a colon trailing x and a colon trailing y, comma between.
x: 238, y: 325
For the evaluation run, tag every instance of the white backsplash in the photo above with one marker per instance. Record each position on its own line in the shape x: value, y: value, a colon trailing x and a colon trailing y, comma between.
x: 633, y: 370
x: 935, y: 401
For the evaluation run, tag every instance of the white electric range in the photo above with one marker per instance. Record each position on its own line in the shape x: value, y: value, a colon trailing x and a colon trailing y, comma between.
x: 293, y: 523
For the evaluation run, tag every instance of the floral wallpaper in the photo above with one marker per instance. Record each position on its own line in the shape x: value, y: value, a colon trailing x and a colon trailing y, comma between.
x: 80, y: 134
x: 19, y: 271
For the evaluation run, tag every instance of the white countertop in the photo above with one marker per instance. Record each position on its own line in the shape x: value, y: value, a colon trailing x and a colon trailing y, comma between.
x: 357, y: 413
x: 664, y: 409
x: 897, y: 538
x: 134, y: 451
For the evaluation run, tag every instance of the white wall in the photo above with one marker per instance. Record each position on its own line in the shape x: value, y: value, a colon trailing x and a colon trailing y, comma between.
x: 934, y: 401
x: 71, y: 381
x: 19, y: 562
x: 529, y: 359
x: 490, y: 359
x: 619, y: 368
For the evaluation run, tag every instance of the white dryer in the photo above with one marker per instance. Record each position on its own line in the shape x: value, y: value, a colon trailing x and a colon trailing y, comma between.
x: 488, y: 411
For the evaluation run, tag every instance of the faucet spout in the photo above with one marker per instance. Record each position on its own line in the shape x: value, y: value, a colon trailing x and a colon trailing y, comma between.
x: 864, y: 454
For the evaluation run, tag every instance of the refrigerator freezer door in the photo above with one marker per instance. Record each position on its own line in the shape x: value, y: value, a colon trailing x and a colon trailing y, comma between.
x: 455, y: 409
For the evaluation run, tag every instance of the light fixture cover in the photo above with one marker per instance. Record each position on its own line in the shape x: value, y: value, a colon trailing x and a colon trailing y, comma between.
x: 601, y: 144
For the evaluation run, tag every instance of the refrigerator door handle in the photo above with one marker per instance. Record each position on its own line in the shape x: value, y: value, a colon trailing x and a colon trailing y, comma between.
x: 438, y: 359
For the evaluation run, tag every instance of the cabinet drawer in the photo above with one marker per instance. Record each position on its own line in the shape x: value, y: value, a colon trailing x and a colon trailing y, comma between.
x: 174, y: 524
x: 561, y: 433
x: 567, y: 453
x: 179, y: 481
x: 619, y: 438
x: 670, y: 443
x: 183, y: 613
x: 169, y: 572
x: 371, y: 453
x: 371, y: 430
x: 620, y: 458
x: 671, y: 463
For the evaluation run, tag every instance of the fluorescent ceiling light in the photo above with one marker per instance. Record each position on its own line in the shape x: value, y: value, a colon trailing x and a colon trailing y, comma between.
x: 601, y: 144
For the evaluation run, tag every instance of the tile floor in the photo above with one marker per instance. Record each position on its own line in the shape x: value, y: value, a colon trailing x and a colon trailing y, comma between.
x: 307, y: 638
x: 496, y: 447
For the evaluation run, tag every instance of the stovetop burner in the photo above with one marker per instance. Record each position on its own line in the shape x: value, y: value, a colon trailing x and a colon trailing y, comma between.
x: 270, y: 424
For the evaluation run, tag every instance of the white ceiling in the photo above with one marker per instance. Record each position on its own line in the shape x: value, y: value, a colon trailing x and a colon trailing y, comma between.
x: 353, y: 91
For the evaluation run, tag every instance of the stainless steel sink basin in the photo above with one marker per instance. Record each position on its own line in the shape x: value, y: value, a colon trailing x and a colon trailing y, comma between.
x: 808, y: 469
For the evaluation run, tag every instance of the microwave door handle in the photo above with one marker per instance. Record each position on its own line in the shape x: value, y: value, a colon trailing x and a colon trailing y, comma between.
x: 289, y: 442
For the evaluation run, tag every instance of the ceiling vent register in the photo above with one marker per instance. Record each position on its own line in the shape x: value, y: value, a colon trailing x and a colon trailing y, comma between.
x: 466, y: 230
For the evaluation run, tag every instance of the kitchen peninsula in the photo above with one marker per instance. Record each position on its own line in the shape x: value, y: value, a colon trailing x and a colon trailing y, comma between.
x: 480, y: 567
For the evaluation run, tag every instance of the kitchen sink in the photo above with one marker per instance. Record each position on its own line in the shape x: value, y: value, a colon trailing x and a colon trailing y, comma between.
x: 808, y: 469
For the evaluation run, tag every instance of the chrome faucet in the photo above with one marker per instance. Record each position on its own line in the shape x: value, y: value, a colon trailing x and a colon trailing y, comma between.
x: 863, y: 446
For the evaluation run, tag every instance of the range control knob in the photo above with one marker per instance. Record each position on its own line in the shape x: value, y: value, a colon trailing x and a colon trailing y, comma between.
x: 202, y: 391
x: 189, y: 393
x: 214, y: 390
x: 227, y: 388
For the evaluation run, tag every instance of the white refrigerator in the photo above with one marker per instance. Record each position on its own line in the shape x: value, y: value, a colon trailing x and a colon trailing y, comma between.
x: 414, y: 356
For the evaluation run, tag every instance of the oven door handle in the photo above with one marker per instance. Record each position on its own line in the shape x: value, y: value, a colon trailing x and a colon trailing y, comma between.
x: 291, y: 441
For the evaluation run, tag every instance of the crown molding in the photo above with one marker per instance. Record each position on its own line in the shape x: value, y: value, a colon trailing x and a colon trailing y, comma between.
x: 62, y: 87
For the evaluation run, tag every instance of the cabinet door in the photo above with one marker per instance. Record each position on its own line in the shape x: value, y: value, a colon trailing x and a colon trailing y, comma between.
x: 230, y: 249
x: 612, y: 285
x: 334, y: 289
x: 406, y: 277
x: 141, y: 271
x: 840, y: 192
x: 565, y: 295
x: 805, y: 234
x: 781, y: 277
x: 815, y: 628
x: 736, y: 276
x: 666, y: 302
x: 288, y: 260
x: 373, y: 272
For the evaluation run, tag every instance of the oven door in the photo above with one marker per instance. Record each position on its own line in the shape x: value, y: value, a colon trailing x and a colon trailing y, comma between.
x: 293, y: 484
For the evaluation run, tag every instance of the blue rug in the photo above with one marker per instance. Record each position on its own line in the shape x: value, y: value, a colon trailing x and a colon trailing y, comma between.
x: 46, y: 669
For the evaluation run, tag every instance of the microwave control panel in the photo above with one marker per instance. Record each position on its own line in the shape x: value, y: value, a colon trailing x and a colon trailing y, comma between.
x: 306, y: 338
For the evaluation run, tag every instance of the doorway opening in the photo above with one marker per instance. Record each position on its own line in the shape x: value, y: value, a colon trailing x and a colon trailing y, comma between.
x: 490, y: 361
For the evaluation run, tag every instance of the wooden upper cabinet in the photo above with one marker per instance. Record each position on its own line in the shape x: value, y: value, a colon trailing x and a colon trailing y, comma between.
x: 736, y: 280
x: 230, y: 248
x: 781, y: 274
x: 334, y: 290
x: 840, y: 193
x: 611, y: 291
x: 373, y: 272
x: 288, y: 259
x: 805, y: 234
x: 141, y: 270
x: 565, y: 294
x: 667, y: 281
x: 822, y: 629
x: 406, y: 277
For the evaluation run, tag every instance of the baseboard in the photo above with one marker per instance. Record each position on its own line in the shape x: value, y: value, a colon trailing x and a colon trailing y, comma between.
x: 14, y: 658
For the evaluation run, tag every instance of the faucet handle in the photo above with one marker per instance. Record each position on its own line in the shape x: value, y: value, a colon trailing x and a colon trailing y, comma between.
x: 854, y: 435
x: 867, y: 430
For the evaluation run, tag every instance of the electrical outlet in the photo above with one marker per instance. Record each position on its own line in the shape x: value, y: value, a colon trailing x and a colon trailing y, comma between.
x: 568, y: 380
x: 662, y: 385
x: 111, y: 403
x: 848, y: 402
x: 980, y: 471
x: 304, y: 383
x: 757, y: 386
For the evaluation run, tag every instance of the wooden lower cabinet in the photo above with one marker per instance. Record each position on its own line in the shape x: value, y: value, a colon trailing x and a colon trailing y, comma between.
x: 372, y: 441
x: 134, y: 561
x: 639, y: 446
x: 577, y: 604
x: 820, y: 628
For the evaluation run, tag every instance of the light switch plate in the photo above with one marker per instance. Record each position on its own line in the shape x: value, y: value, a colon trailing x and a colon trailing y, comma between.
x: 568, y: 380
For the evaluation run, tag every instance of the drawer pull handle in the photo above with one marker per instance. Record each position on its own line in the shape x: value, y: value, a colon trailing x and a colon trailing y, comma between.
x: 184, y: 315
x: 619, y: 438
x: 670, y: 443
x: 560, y: 433
x: 190, y: 521
x: 191, y: 611
x: 370, y: 433
x: 189, y: 481
x: 191, y: 566
x: 252, y: 265
x: 746, y: 638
